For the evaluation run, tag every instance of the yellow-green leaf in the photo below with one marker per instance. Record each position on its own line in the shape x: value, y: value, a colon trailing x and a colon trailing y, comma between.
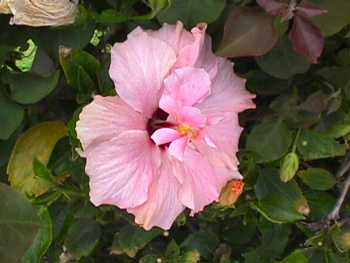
x: 37, y: 142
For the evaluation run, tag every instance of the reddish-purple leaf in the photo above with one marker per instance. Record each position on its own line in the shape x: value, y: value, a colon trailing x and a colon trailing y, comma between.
x: 309, y: 9
x: 248, y: 32
x: 274, y: 7
x: 307, y: 38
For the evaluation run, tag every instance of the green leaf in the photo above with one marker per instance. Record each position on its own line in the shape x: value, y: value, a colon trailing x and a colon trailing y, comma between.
x: 157, y: 6
x: 248, y: 32
x: 336, y: 76
x: 81, y: 70
x: 296, y: 257
x: 333, y: 257
x: 190, y: 257
x: 321, y: 204
x: 37, y: 142
x: 337, y: 16
x: 264, y: 84
x: 282, y: 61
x: 82, y: 238
x: 317, y: 178
x: 19, y: 224
x: 29, y: 88
x: 42, y: 240
x: 341, y: 237
x: 313, y: 145
x: 4, y: 50
x: 131, y: 239
x: 269, y: 140
x: 273, y: 242
x: 148, y: 259
x: 73, y: 59
x: 11, y: 116
x: 203, y: 241
x: 172, y: 250
x: 192, y: 12
x: 290, y: 165
x: 274, y: 239
x: 279, y: 202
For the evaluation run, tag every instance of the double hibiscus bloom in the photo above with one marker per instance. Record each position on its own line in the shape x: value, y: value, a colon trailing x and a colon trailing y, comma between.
x: 169, y: 140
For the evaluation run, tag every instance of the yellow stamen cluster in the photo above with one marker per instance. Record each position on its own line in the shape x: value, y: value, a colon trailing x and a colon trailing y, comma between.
x: 185, y: 130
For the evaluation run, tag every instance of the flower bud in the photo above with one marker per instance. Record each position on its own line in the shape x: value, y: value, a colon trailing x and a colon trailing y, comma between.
x: 231, y: 192
x: 289, y: 167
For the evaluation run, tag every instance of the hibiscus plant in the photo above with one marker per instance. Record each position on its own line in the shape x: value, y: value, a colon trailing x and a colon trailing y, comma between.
x: 175, y: 131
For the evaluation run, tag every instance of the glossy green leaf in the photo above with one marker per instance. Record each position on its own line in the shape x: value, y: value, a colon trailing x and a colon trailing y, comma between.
x: 37, y: 142
x: 11, y: 116
x: 313, y: 146
x: 282, y: 61
x: 81, y: 70
x: 248, y: 32
x: 131, y: 239
x: 296, y: 257
x: 279, y: 202
x: 341, y: 237
x: 82, y: 238
x: 19, y: 225
x: 29, y: 88
x: 274, y: 239
x: 203, y: 241
x: 42, y: 240
x: 4, y: 50
x: 269, y: 140
x: 337, y: 17
x: 192, y: 12
x: 317, y: 178
x: 73, y: 60
x: 321, y: 204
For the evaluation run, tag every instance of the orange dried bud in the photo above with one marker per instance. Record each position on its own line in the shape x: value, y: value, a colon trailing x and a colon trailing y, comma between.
x: 231, y: 192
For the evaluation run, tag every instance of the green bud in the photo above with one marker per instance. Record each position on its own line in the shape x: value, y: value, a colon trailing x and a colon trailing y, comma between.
x: 341, y: 238
x: 289, y: 167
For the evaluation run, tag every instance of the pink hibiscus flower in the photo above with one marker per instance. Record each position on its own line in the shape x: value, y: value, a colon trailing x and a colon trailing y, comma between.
x: 307, y: 39
x: 169, y: 141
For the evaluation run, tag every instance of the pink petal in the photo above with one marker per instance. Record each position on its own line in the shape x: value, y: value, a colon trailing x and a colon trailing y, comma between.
x: 307, y: 38
x: 225, y: 134
x: 274, y: 7
x: 228, y: 93
x: 105, y: 118
x: 138, y: 68
x: 309, y: 9
x: 121, y: 170
x: 224, y: 165
x: 184, y: 87
x: 199, y: 53
x: 192, y: 48
x: 200, y: 186
x: 192, y: 116
x: 163, y: 204
x: 165, y: 135
x: 175, y: 36
x: 177, y: 148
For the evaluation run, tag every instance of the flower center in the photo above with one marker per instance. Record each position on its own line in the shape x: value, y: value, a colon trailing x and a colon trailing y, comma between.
x: 187, y: 130
x: 158, y: 120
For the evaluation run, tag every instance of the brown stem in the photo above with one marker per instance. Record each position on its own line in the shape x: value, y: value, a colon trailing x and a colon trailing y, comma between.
x: 334, y: 214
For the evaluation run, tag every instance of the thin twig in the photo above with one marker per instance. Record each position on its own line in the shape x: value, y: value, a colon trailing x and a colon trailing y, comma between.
x: 334, y: 214
x: 345, y: 166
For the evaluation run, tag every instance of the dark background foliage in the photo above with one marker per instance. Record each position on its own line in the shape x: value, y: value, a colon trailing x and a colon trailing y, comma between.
x: 293, y: 150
